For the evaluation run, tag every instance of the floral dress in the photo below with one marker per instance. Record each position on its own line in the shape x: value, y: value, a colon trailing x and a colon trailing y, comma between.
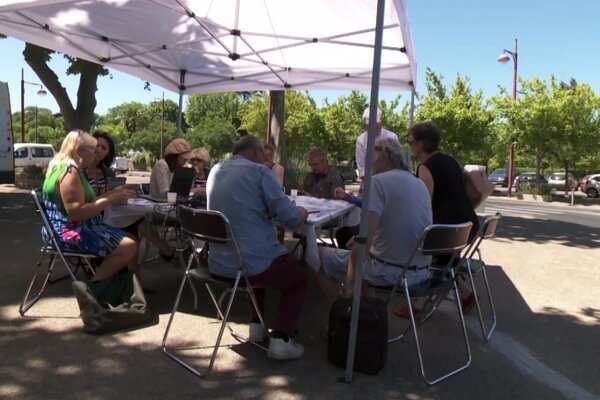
x: 91, y: 236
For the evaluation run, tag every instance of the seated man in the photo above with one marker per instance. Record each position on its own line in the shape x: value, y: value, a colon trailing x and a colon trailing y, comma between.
x: 247, y: 192
x: 399, y: 212
x: 323, y: 179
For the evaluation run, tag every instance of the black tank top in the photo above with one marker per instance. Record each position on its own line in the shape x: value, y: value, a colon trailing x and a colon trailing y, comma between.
x: 449, y: 201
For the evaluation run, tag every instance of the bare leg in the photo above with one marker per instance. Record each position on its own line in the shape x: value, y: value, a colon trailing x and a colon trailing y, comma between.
x: 122, y: 256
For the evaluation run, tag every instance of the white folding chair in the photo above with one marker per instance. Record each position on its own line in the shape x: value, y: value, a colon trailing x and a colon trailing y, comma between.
x: 472, y: 263
x: 436, y: 240
x: 51, y: 250
x: 211, y: 227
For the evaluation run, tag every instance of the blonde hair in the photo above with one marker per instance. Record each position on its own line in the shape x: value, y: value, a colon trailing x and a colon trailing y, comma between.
x: 202, y: 154
x: 69, y: 147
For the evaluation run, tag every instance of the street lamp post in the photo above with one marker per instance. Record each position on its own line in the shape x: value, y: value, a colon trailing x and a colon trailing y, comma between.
x: 40, y: 92
x: 162, y: 123
x: 503, y: 58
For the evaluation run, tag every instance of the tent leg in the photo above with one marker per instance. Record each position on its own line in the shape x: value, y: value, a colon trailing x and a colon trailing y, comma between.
x: 367, y: 191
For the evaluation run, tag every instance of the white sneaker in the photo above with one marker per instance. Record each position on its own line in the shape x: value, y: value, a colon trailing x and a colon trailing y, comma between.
x: 279, y: 349
x: 257, y: 332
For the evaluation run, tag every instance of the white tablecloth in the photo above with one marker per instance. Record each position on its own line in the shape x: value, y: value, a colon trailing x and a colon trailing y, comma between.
x: 124, y: 215
x: 321, y: 212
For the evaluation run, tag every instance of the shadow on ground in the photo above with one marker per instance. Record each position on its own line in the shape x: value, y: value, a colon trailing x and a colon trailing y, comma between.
x: 46, y: 355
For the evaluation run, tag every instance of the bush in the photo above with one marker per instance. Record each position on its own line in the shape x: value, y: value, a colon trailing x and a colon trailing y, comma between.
x: 32, y: 172
x: 295, y: 172
x: 143, y: 160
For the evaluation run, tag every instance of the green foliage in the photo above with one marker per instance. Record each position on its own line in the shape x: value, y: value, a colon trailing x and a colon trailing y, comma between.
x: 462, y: 116
x: 295, y: 172
x: 216, y: 134
x: 143, y: 160
x: 224, y: 106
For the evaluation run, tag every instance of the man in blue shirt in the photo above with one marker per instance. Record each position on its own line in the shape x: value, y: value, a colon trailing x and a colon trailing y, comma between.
x: 248, y: 193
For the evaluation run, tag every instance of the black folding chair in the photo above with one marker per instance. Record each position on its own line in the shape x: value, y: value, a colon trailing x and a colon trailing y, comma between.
x: 472, y: 263
x: 51, y: 250
x: 436, y: 240
x: 211, y: 227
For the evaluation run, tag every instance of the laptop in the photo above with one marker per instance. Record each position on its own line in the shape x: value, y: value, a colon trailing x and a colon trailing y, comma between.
x: 183, y: 178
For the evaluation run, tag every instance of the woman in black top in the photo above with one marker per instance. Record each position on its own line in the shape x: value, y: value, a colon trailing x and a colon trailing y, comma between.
x: 444, y: 179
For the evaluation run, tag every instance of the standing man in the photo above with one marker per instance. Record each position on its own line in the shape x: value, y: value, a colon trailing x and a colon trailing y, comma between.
x: 247, y: 192
x: 361, y: 140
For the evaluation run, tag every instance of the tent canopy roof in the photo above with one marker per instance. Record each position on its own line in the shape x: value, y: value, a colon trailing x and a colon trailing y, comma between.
x: 224, y: 45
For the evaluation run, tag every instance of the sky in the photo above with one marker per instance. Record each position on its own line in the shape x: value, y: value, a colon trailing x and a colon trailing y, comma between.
x: 451, y: 37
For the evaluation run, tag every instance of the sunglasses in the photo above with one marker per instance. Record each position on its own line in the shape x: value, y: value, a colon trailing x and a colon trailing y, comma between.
x: 196, y: 160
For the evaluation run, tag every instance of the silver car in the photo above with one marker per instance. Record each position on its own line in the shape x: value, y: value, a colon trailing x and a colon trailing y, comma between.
x: 557, y: 181
x: 592, y: 185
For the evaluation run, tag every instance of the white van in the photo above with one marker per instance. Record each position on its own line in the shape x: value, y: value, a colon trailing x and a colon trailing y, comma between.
x: 33, y: 154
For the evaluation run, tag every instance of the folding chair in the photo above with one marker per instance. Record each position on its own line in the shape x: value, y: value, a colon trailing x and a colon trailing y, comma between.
x: 211, y: 227
x: 436, y: 240
x: 51, y: 249
x: 470, y: 266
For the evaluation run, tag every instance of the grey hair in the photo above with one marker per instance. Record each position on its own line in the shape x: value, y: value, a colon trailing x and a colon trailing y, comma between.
x: 247, y: 142
x: 317, y: 153
x: 394, y: 152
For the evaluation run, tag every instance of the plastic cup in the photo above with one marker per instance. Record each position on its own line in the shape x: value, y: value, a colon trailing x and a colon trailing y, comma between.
x: 171, y: 197
x: 294, y: 194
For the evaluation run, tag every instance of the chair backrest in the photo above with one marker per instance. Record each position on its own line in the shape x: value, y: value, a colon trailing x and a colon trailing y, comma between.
x: 209, y: 226
x: 486, y: 230
x: 441, y: 239
x: 41, y: 210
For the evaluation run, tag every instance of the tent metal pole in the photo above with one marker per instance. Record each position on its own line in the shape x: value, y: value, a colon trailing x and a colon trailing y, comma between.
x: 364, y: 216
x: 411, y: 116
x: 180, y: 111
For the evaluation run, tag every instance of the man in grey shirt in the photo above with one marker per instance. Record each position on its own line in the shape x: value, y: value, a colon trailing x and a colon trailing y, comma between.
x: 248, y: 194
x: 399, y: 212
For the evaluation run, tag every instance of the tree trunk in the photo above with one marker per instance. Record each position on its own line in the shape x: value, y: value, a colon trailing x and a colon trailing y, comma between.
x: 81, y: 117
x: 538, y: 166
x: 277, y: 104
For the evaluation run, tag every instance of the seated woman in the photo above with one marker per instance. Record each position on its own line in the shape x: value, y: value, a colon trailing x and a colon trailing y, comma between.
x: 75, y: 212
x: 200, y: 161
x: 98, y: 174
x: 275, y: 167
x: 177, y: 153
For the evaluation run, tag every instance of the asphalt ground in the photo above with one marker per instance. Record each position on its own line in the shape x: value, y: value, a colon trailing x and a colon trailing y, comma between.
x: 544, y: 277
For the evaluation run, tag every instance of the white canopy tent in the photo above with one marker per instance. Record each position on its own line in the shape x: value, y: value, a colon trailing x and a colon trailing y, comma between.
x: 224, y: 45
x: 192, y: 46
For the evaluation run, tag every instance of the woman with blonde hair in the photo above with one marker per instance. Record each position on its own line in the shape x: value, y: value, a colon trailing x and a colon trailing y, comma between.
x: 200, y: 161
x: 75, y: 213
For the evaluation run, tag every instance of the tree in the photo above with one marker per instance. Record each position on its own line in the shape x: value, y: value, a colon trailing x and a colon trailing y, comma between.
x: 80, y: 116
x: 462, y: 116
x: 215, y: 133
x: 222, y: 105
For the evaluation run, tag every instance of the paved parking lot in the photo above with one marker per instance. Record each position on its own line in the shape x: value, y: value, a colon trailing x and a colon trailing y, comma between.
x: 546, y: 285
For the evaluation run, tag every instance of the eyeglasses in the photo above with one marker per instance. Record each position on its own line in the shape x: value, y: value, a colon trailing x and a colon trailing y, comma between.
x: 196, y: 160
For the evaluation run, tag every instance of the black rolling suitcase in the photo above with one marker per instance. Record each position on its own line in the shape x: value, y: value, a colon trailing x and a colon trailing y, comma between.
x: 371, y: 339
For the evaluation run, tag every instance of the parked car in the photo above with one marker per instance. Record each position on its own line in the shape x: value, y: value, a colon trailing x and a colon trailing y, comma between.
x: 348, y: 172
x: 528, y: 179
x: 120, y: 165
x: 500, y: 176
x: 38, y: 154
x: 557, y: 181
x: 591, y: 187
x: 583, y: 181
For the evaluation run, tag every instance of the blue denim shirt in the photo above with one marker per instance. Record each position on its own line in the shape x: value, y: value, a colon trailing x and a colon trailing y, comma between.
x: 250, y: 197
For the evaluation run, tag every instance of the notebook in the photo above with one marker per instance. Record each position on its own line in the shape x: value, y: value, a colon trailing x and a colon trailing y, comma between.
x: 183, y: 178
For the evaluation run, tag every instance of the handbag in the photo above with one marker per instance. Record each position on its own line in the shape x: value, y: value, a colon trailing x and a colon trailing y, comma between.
x: 477, y: 186
x: 113, y: 304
